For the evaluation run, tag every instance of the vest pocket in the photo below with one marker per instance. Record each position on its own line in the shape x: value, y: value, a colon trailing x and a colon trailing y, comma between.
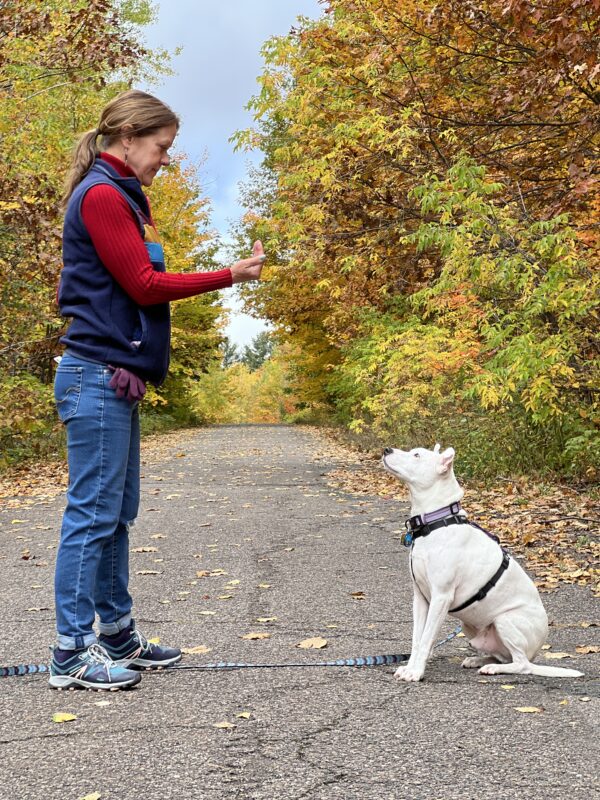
x: 67, y: 391
x: 141, y: 333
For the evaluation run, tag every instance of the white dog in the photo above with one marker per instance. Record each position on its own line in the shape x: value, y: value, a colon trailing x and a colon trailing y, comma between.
x: 460, y: 569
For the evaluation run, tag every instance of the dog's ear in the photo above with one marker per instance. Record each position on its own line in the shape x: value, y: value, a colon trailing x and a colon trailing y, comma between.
x: 446, y: 459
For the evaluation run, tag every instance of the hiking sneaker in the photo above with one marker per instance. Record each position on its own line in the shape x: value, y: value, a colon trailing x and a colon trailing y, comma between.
x: 90, y: 669
x: 130, y: 648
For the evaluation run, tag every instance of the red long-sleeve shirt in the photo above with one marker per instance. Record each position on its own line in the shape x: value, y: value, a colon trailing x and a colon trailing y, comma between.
x: 116, y: 237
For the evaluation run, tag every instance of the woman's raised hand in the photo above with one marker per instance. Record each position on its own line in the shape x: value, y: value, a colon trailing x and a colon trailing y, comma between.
x: 249, y: 269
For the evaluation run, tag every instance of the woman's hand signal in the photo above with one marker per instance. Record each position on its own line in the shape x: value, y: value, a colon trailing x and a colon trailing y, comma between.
x: 249, y: 269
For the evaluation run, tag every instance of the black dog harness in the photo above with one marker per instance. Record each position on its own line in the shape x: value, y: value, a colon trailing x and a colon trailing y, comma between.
x: 423, y: 525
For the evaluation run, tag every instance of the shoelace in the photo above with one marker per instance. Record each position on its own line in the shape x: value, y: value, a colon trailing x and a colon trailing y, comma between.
x: 143, y: 642
x: 96, y: 654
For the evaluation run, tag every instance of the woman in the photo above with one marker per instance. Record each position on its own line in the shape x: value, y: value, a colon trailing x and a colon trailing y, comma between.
x: 115, y: 289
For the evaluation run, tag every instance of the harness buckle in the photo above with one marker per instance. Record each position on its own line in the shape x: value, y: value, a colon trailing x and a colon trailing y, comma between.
x: 414, y: 522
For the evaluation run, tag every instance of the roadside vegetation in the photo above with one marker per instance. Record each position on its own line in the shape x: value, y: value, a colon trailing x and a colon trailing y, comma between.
x: 428, y: 199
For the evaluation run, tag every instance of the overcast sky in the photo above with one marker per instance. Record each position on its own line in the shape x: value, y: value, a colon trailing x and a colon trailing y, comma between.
x: 215, y: 76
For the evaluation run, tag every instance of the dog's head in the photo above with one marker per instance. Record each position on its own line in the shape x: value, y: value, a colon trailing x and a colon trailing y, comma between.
x: 419, y: 468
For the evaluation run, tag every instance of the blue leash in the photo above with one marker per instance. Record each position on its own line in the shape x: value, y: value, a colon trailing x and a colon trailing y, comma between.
x: 361, y: 661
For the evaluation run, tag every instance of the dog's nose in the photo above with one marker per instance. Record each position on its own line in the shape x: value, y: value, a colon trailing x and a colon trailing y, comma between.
x: 387, y: 451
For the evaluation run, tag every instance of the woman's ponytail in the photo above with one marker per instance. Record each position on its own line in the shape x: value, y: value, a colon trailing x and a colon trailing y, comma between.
x: 84, y: 155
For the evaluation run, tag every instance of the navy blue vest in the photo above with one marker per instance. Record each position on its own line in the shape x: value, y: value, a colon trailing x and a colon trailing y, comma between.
x: 107, y: 325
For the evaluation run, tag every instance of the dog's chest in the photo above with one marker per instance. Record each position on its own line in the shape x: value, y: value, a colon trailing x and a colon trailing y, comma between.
x: 450, y: 562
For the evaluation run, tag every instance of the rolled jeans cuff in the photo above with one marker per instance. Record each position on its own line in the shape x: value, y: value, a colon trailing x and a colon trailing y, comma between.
x: 112, y: 628
x: 76, y: 642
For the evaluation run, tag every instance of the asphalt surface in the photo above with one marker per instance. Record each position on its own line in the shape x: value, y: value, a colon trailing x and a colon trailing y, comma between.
x: 254, y: 502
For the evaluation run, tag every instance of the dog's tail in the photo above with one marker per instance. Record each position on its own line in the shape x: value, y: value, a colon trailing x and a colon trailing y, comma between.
x: 554, y: 672
x: 528, y: 668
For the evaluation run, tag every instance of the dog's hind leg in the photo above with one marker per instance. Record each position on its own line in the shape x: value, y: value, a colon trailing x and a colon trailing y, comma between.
x: 482, y: 657
x: 514, y: 638
x: 474, y: 662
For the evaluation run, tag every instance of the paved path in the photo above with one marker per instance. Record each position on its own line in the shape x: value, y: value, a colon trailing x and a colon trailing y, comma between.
x: 254, y: 502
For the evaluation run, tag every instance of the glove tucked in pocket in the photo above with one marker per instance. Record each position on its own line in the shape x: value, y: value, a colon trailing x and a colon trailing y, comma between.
x: 126, y: 384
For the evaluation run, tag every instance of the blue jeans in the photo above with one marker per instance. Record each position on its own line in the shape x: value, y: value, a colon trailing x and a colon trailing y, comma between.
x: 92, y: 562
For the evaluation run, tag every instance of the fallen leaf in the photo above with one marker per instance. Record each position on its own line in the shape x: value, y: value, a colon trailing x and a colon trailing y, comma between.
x: 529, y: 709
x: 588, y: 648
x: 102, y: 703
x: 156, y: 640
x: 224, y: 725
x: 316, y: 643
x: 507, y: 686
x: 95, y: 796
x: 61, y: 717
x: 207, y: 613
x: 253, y: 636
x: 266, y: 619
x: 244, y: 715
x: 557, y: 655
x: 145, y: 550
x: 358, y: 595
x: 158, y: 536
x: 264, y: 585
x: 148, y: 572
x: 199, y: 650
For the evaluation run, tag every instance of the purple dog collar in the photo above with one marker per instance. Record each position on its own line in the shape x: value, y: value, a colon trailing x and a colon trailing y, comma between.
x: 433, y: 516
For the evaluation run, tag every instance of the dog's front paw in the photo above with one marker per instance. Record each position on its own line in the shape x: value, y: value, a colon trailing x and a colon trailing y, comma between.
x: 408, y: 673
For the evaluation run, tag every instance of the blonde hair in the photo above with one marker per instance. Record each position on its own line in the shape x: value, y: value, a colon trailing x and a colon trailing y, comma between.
x: 132, y: 113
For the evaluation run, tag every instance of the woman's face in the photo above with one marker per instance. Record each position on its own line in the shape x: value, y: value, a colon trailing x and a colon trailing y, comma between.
x: 147, y: 154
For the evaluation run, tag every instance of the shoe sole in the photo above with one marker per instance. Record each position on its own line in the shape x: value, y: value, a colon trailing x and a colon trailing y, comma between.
x: 146, y: 663
x: 67, y: 682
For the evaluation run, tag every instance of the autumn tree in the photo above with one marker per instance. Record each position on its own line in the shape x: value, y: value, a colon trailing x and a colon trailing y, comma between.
x: 60, y: 63
x: 433, y: 192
